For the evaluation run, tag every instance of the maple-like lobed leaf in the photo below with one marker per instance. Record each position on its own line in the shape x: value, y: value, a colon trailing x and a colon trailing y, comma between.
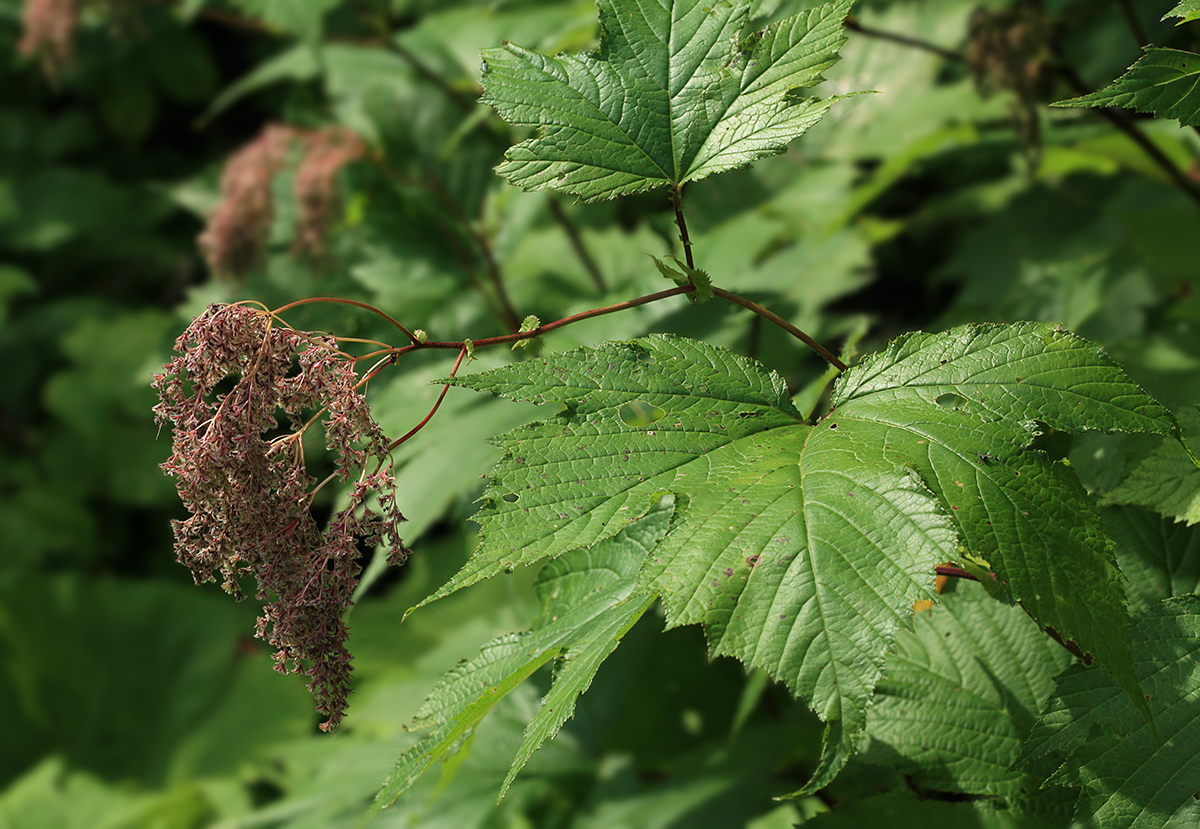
x: 1168, y: 480
x: 799, y: 547
x: 962, y: 407
x: 1162, y: 82
x: 678, y: 91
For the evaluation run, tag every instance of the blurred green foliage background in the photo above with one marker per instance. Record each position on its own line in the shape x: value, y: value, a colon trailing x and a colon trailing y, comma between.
x: 135, y: 699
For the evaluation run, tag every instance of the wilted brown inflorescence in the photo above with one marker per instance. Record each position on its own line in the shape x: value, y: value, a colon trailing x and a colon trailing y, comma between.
x: 325, y: 153
x: 249, y: 492
x: 49, y: 32
x: 236, y: 237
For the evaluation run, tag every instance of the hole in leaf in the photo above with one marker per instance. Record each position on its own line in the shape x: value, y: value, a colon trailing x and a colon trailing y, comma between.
x: 639, y: 414
x: 511, y: 497
x: 950, y: 400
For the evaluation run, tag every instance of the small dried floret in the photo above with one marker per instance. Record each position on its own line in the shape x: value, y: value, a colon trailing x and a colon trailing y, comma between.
x: 242, y: 477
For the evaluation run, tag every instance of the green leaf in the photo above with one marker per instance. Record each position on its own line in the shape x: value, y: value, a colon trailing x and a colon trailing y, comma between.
x: 1167, y: 481
x: 801, y: 548
x: 769, y: 502
x: 961, y: 408
x: 1101, y: 744
x: 588, y: 605
x: 1162, y: 82
x: 1188, y: 10
x: 528, y: 324
x: 1160, y: 557
x: 678, y: 91
x: 963, y: 689
x: 684, y: 275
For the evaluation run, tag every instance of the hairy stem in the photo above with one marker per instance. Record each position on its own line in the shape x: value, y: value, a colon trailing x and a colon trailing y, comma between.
x: 954, y: 572
x: 677, y: 203
x: 550, y: 326
x: 750, y: 305
x: 581, y: 251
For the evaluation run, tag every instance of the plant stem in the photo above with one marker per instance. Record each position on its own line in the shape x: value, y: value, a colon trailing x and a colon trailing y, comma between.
x: 953, y: 572
x: 341, y: 301
x: 771, y: 316
x: 509, y: 316
x: 750, y: 305
x: 904, y: 40
x: 551, y: 326
x: 432, y: 411
x: 589, y: 264
x: 677, y: 203
x: 1115, y: 117
x: 1121, y: 120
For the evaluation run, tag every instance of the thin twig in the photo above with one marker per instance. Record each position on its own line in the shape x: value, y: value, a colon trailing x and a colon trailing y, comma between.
x: 853, y: 25
x: 771, y: 316
x: 343, y: 301
x: 569, y: 228
x: 954, y: 572
x: 1121, y: 120
x: 432, y: 411
x: 508, y: 313
x: 1116, y: 117
x: 551, y: 326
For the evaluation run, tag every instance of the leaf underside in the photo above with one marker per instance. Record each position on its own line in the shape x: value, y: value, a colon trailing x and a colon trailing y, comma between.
x: 678, y: 91
x: 801, y: 547
x: 1163, y: 82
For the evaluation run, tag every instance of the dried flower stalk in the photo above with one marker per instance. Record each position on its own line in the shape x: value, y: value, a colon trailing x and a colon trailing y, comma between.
x: 242, y: 476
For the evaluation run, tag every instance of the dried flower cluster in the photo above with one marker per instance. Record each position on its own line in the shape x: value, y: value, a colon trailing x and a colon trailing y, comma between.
x: 238, y: 230
x: 49, y: 32
x: 242, y: 476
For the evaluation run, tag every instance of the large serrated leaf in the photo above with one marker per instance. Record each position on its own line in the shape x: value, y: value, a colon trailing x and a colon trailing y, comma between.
x: 1162, y: 82
x: 588, y: 605
x: 581, y: 476
x: 1090, y: 730
x: 801, y: 548
x: 1187, y: 10
x: 678, y: 91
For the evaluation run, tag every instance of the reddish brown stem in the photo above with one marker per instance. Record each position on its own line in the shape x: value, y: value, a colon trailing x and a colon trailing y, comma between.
x: 341, y: 301
x: 954, y: 572
x: 432, y: 411
x: 771, y: 316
